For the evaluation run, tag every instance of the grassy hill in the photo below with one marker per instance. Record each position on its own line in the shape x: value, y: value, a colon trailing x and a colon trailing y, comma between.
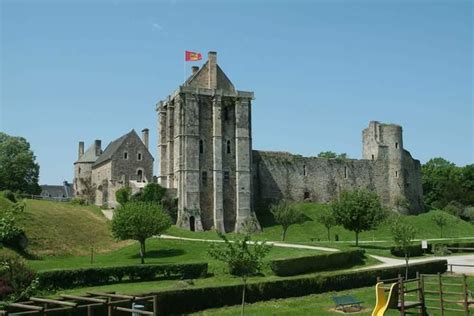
x: 55, y: 228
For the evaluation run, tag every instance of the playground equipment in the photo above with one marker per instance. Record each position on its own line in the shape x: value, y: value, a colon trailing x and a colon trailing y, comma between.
x: 450, y: 292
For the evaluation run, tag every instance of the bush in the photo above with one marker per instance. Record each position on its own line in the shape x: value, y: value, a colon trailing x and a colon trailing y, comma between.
x: 78, y: 201
x: 171, y: 302
x: 16, y: 279
x: 123, y: 195
x: 413, y: 251
x: 463, y: 246
x: 9, y: 195
x: 95, y: 276
x: 300, y: 265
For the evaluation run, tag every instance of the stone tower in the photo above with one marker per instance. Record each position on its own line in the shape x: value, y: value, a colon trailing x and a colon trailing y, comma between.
x: 384, y: 143
x: 205, y: 150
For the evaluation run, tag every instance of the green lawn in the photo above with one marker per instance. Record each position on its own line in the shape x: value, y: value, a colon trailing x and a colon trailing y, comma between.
x: 318, y: 304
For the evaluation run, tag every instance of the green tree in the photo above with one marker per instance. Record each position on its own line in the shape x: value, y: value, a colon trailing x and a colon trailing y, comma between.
x: 153, y: 192
x: 10, y: 232
x: 403, y: 235
x: 123, y: 195
x: 18, y: 168
x: 331, y: 154
x: 242, y: 259
x: 286, y: 214
x: 441, y: 220
x: 139, y: 221
x: 357, y: 211
x: 326, y: 217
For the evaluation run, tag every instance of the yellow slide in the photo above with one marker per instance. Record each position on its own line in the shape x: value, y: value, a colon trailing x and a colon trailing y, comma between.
x: 382, y: 303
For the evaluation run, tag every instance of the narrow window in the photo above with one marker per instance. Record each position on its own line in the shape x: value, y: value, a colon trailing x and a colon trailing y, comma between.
x: 139, y: 156
x: 226, y: 114
x: 125, y: 155
x: 373, y: 157
x: 140, y: 175
x: 201, y: 146
x: 204, y: 178
x: 396, y: 174
x: 79, y: 170
x: 228, y: 146
x: 306, y: 195
x: 345, y: 172
x: 304, y: 170
x: 226, y: 176
x: 396, y: 145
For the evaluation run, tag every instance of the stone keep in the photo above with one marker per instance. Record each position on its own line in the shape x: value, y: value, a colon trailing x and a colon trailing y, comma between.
x: 205, y: 150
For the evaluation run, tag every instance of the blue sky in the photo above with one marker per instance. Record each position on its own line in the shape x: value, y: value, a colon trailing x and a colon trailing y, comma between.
x: 320, y: 70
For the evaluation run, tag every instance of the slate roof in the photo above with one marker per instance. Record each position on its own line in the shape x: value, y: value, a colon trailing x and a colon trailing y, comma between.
x: 57, y: 191
x: 111, y: 148
x: 89, y: 155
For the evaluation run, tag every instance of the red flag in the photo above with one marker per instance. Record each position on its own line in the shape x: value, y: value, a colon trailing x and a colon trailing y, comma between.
x: 192, y: 56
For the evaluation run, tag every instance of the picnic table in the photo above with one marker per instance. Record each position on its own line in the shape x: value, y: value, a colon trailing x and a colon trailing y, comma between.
x: 345, y: 301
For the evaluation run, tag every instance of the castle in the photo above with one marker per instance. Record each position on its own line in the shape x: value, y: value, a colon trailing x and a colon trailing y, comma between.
x: 126, y: 161
x: 206, y: 156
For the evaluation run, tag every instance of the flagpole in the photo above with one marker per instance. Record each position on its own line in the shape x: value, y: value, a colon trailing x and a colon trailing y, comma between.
x: 184, y: 70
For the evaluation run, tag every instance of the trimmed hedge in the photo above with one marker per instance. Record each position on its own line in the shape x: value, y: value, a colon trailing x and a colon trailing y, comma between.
x: 458, y: 245
x: 196, y: 299
x: 413, y: 251
x: 307, y: 264
x: 96, y: 276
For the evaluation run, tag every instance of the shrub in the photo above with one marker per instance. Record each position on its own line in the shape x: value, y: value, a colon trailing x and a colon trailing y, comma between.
x: 171, y: 302
x: 95, y: 276
x: 300, y: 265
x: 123, y: 195
x: 413, y: 251
x: 15, y: 277
x: 78, y: 201
x: 462, y: 246
x: 9, y: 195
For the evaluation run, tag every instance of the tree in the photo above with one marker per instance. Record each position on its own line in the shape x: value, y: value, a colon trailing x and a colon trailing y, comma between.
x: 286, y: 214
x: 139, y: 221
x: 88, y: 189
x: 123, y: 195
x: 441, y: 220
x: 153, y: 192
x: 403, y: 235
x: 242, y: 259
x: 358, y: 211
x: 331, y: 155
x: 326, y: 217
x: 18, y: 168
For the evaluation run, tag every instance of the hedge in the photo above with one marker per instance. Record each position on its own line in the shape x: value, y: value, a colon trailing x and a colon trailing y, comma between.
x: 196, y: 299
x: 452, y: 245
x: 416, y: 250
x: 307, y: 264
x: 413, y: 251
x: 68, y: 278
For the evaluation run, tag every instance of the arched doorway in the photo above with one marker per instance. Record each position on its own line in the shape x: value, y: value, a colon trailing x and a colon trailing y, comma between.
x: 140, y: 175
x: 192, y: 223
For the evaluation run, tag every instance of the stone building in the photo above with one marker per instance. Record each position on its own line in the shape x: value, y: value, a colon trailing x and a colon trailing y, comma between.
x: 62, y: 192
x: 126, y: 161
x: 205, y: 150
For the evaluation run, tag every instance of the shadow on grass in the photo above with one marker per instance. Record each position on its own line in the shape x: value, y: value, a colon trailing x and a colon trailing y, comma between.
x: 162, y: 253
x: 375, y: 247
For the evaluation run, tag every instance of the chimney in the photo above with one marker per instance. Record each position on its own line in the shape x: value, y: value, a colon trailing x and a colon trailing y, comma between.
x: 81, y: 150
x: 145, y: 137
x: 195, y: 69
x: 212, y: 60
x: 98, y: 149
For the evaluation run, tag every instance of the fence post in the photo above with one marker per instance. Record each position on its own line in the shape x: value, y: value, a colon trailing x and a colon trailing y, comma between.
x: 464, y: 287
x: 441, y: 303
x: 155, y: 305
x: 401, y: 291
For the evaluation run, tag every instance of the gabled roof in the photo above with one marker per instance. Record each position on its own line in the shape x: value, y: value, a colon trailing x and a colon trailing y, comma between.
x: 89, y: 156
x: 57, y: 191
x: 112, y: 148
x: 201, y: 78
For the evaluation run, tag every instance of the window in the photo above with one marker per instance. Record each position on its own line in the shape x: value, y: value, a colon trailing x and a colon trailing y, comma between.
x: 140, y: 175
x: 304, y: 170
x: 139, y: 156
x: 345, y: 172
x: 125, y: 155
x: 306, y: 195
x: 204, y: 178
x: 373, y: 157
x: 396, y: 174
x: 396, y: 145
x: 79, y: 170
x: 226, y: 114
x: 228, y: 147
x: 201, y: 146
x: 226, y: 176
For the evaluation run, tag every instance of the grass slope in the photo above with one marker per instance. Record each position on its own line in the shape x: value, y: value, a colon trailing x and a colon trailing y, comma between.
x: 55, y: 228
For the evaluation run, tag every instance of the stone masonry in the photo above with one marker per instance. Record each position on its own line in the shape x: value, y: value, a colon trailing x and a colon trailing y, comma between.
x: 205, y: 150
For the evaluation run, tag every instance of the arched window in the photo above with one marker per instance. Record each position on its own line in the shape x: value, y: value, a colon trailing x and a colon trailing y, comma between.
x: 201, y: 146
x: 304, y: 170
x: 139, y: 175
x: 139, y: 156
x: 228, y: 147
x: 125, y: 155
x: 373, y: 157
x: 396, y: 174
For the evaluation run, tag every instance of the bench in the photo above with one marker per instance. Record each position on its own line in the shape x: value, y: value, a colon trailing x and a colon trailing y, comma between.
x: 346, y: 301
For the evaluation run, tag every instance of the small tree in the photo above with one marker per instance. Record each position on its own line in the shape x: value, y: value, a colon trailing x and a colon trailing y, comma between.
x: 286, y: 214
x: 441, y: 220
x: 403, y: 235
x: 358, y: 211
x: 139, y: 221
x: 153, y: 192
x: 326, y: 217
x: 123, y: 195
x: 242, y: 259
